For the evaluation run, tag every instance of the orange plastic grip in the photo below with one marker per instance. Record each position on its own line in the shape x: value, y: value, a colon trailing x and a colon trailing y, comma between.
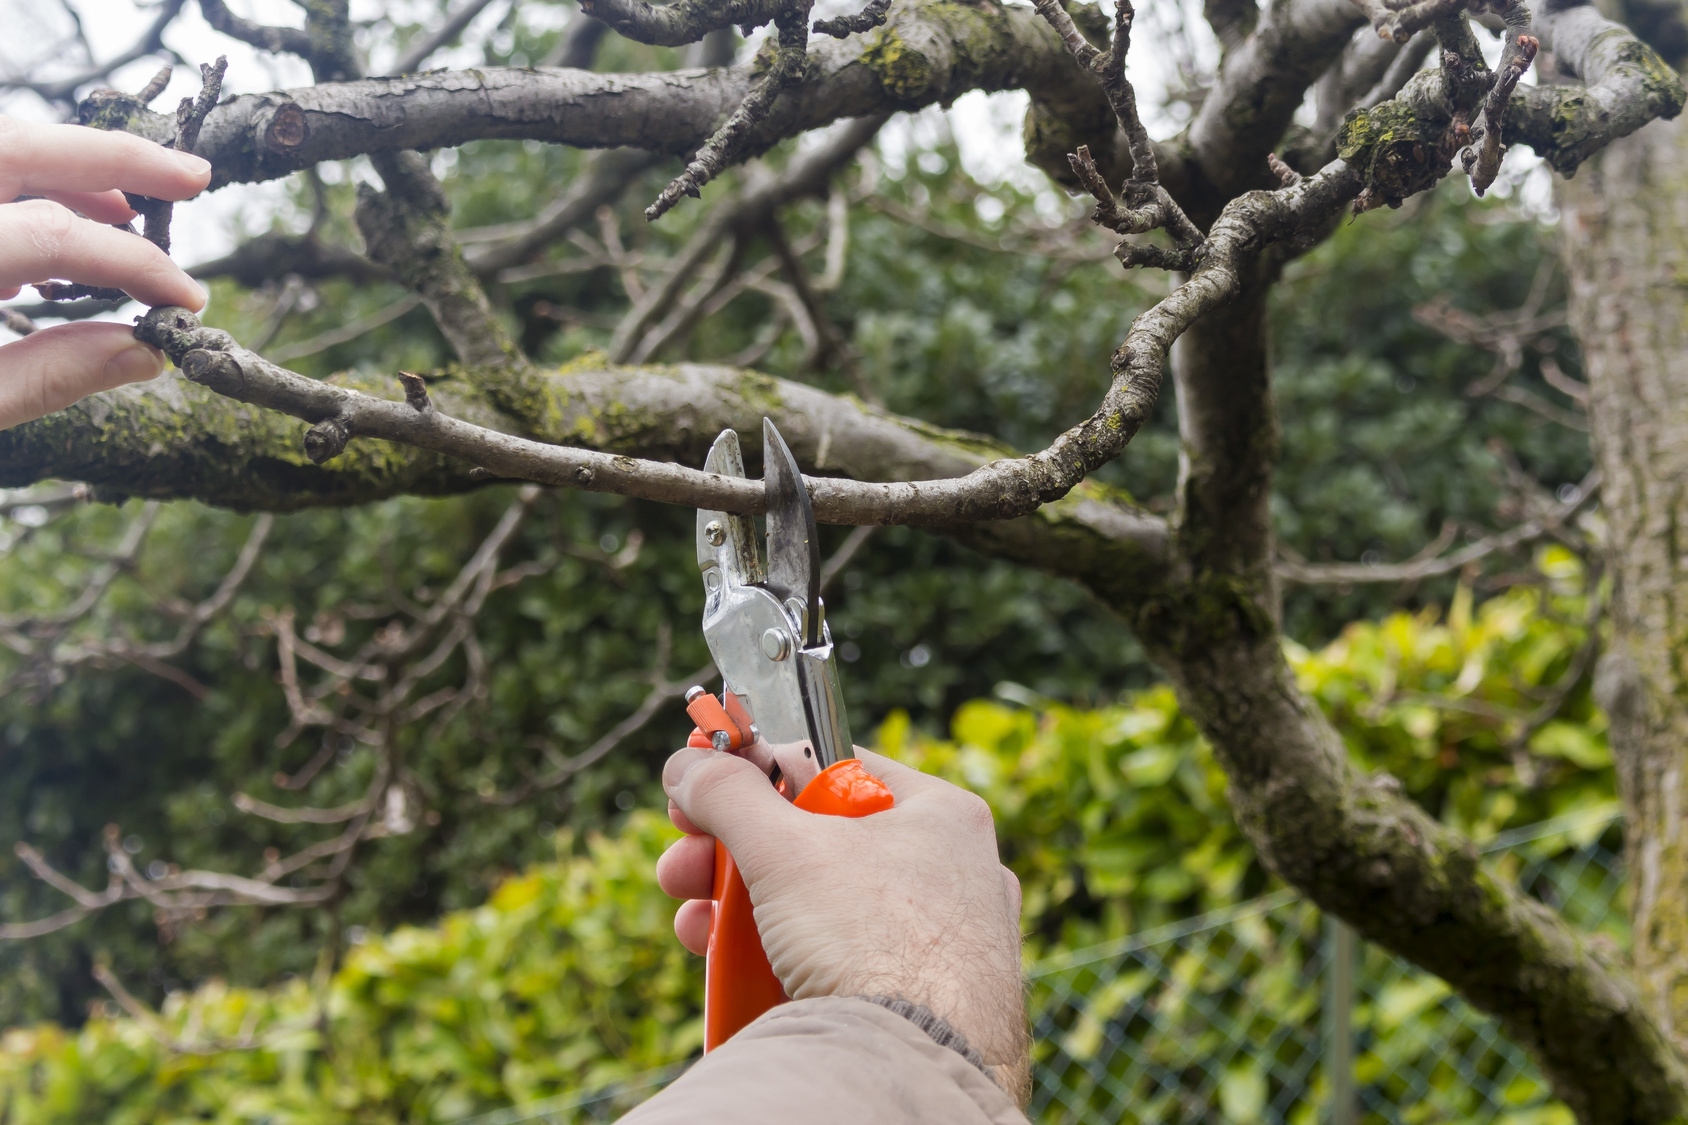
x: 739, y: 985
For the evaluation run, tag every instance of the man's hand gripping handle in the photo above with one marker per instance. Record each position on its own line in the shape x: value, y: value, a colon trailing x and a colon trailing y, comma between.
x: 739, y: 984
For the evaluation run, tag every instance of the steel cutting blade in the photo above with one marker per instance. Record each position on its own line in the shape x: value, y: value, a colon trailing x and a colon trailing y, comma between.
x: 794, y: 559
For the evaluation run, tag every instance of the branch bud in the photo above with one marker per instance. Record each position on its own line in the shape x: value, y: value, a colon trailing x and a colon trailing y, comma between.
x: 415, y: 392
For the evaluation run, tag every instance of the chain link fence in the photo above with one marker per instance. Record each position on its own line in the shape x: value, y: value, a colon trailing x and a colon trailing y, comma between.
x: 1266, y: 1012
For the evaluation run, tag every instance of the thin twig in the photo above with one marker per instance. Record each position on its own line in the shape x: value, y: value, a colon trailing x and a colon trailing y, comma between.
x: 1482, y: 162
x: 346, y: 333
x: 727, y: 144
x: 1434, y: 565
x: 417, y: 53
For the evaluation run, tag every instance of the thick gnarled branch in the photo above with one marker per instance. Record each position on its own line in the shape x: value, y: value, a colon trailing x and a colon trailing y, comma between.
x: 1147, y: 205
x: 942, y: 51
x: 407, y: 229
x: 1002, y: 489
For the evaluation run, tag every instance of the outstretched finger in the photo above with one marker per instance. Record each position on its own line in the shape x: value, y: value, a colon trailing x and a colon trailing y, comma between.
x: 100, y: 206
x: 42, y: 158
x: 50, y: 369
x: 41, y: 240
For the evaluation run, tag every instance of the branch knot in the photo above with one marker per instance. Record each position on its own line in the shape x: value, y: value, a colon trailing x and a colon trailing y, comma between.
x: 326, y: 440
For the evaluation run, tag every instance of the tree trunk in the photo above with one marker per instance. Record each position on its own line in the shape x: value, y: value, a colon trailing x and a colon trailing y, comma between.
x: 1625, y: 246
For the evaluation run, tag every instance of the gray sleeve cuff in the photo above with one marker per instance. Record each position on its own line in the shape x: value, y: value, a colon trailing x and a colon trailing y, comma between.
x: 936, y: 1027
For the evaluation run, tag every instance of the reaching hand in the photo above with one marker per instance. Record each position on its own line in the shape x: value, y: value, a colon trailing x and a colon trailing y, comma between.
x: 87, y: 170
x: 910, y: 903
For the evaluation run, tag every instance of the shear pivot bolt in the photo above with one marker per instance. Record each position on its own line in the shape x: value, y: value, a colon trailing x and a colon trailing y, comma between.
x: 715, y: 533
x: 775, y: 646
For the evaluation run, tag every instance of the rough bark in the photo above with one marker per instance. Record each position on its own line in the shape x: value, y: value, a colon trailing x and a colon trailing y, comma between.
x: 928, y: 52
x: 1625, y: 243
x: 172, y: 439
x: 1260, y: 86
x: 407, y: 228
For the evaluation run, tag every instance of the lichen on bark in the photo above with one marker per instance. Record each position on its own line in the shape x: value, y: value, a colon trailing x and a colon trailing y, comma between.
x: 1624, y: 244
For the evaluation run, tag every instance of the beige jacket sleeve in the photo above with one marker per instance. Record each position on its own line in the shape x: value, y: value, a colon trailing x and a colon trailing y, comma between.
x: 830, y: 1061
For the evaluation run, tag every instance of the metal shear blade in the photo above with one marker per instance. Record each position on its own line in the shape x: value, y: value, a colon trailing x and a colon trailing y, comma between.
x: 794, y: 560
x: 766, y: 628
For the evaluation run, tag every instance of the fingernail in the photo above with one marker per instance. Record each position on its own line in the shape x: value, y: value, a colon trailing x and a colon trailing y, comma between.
x: 133, y: 364
x: 198, y: 165
x: 683, y: 763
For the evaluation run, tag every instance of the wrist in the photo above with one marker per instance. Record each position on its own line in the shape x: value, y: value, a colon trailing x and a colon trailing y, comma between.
x: 1013, y: 1076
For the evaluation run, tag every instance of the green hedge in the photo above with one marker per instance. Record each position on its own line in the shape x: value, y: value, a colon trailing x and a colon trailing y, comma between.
x: 569, y: 978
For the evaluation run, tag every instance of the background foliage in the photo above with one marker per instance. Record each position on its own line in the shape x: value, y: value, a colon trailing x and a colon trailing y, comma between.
x: 568, y: 976
x: 565, y: 975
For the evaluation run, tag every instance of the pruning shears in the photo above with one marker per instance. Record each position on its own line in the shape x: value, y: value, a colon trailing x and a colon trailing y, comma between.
x: 779, y: 707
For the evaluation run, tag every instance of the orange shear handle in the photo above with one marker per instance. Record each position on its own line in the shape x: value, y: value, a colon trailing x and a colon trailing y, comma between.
x: 739, y: 985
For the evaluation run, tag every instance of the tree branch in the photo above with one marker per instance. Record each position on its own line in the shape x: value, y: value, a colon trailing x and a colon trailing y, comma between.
x: 1625, y: 85
x: 1355, y: 844
x: 493, y: 249
x: 1261, y: 84
x: 1000, y: 490
x: 151, y: 43
x: 325, y: 43
x: 156, y: 213
x: 808, y: 174
x: 407, y: 228
x: 685, y: 21
x: 727, y: 144
x: 1147, y: 205
x: 944, y: 51
x: 1399, y: 21
x: 263, y: 258
x: 190, y: 118
x: 417, y: 53
x: 346, y: 332
x: 1432, y: 563
x: 1482, y: 163
x: 1402, y: 146
x: 277, y: 40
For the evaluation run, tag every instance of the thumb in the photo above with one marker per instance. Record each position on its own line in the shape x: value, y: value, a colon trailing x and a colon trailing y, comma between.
x: 55, y: 367
x: 730, y: 799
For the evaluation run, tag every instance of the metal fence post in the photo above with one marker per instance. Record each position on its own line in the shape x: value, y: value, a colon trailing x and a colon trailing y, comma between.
x: 1338, y: 1021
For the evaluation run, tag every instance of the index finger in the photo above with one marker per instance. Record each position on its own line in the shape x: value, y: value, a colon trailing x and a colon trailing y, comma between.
x: 37, y: 158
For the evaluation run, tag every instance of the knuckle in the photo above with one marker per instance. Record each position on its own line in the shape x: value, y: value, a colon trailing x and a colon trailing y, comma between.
x: 974, y: 812
x: 51, y: 226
